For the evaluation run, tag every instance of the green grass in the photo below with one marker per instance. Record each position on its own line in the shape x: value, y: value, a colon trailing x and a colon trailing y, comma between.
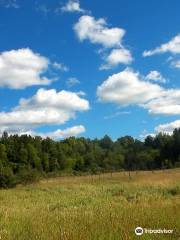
x: 92, y: 208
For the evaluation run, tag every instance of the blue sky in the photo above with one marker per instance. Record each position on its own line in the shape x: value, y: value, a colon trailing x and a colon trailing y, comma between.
x: 89, y: 68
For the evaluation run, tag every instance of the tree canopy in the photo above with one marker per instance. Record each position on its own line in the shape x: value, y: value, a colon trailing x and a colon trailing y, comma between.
x: 24, y: 157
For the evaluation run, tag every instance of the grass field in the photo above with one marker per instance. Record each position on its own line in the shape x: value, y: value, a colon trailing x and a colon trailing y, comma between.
x: 97, y: 207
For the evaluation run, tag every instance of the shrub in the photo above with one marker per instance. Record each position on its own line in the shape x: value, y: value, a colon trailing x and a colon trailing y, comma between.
x: 7, y: 178
x: 26, y: 176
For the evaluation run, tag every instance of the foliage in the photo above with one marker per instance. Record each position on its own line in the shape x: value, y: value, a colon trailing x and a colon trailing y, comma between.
x: 7, y: 178
x: 25, y: 158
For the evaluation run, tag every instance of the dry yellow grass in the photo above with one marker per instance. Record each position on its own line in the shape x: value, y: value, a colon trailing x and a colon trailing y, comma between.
x: 97, y: 207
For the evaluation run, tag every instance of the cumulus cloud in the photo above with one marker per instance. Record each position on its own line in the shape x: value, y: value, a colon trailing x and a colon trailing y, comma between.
x: 167, y: 104
x: 117, y: 56
x: 128, y: 88
x: 72, y: 6
x: 168, y: 128
x: 22, y: 68
x: 97, y: 31
x: 46, y: 107
x: 68, y: 132
x: 155, y: 76
x: 173, y: 46
x: 56, y: 135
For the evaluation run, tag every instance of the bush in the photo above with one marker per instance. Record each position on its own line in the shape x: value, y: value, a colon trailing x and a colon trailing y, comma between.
x: 26, y: 176
x: 7, y: 178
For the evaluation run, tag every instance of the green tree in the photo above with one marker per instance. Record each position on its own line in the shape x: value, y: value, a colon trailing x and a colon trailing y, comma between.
x: 45, y: 162
x: 23, y: 155
x: 33, y: 157
x: 106, y: 142
x: 3, y: 155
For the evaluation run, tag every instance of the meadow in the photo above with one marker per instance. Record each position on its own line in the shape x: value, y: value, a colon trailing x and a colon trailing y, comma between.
x: 98, y: 207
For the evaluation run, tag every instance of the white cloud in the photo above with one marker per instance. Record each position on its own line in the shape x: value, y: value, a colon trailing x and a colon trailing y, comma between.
x: 72, y: 6
x: 145, y: 134
x: 69, y: 132
x: 173, y: 46
x: 60, y: 66
x: 97, y: 31
x: 127, y: 88
x: 155, y: 76
x: 117, y: 56
x: 57, y: 134
x: 72, y: 81
x: 119, y: 113
x: 175, y: 63
x: 167, y: 104
x: 22, y: 68
x: 168, y: 128
x: 46, y: 107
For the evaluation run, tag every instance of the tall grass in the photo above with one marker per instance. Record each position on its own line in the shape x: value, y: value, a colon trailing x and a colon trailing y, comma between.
x: 101, y: 207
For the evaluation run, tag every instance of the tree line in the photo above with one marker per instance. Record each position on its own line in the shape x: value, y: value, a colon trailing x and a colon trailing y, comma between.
x: 25, y: 158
